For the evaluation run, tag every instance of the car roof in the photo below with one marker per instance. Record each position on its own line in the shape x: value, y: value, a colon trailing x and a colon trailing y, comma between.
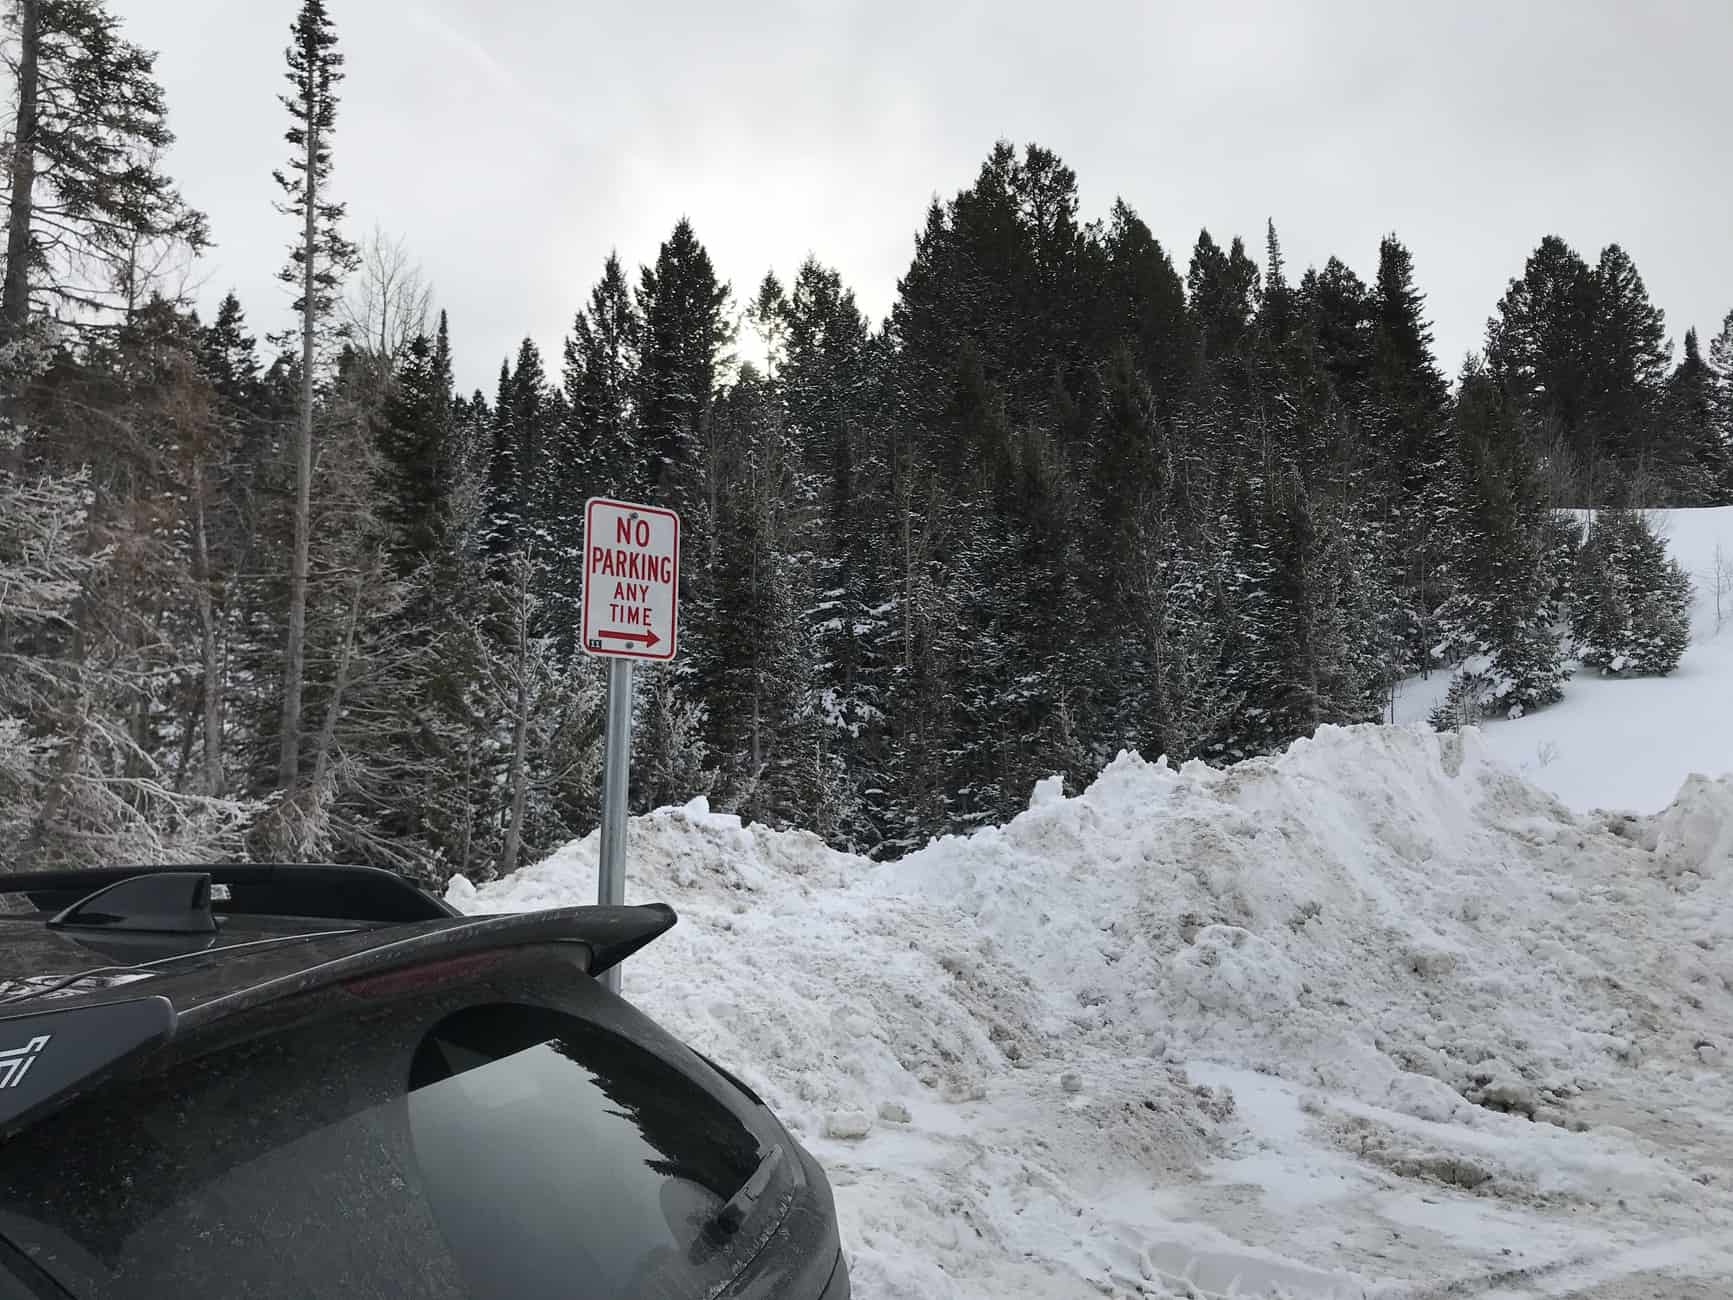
x: 60, y: 923
x: 74, y: 935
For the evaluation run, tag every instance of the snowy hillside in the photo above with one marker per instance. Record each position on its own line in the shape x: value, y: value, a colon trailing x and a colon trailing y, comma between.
x: 1629, y: 744
x: 1373, y: 1018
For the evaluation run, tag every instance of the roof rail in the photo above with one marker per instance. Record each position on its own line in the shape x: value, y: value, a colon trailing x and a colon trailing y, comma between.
x: 322, y: 891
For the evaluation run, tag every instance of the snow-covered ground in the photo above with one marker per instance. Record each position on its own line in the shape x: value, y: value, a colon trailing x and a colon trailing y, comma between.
x: 1373, y: 1018
x: 1629, y: 744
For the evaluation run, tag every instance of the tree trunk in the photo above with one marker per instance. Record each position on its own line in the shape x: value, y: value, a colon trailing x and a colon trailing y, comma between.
x: 213, y: 692
x: 60, y: 786
x: 758, y: 652
x: 15, y: 307
x: 334, y: 706
x: 520, y: 727
x: 905, y: 504
x: 468, y: 804
x: 132, y: 279
x: 137, y: 764
x: 294, y: 656
x: 189, y: 734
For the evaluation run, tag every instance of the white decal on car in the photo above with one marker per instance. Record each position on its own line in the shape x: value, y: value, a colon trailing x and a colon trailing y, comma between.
x: 15, y: 1062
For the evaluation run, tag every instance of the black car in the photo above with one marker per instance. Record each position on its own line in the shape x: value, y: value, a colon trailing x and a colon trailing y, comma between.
x: 322, y: 1082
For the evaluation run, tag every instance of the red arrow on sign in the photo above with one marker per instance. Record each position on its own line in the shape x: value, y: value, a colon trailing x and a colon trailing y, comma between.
x: 649, y: 639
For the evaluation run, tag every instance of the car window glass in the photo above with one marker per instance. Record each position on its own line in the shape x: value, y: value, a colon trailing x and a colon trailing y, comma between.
x: 498, y: 1150
x: 557, y: 1150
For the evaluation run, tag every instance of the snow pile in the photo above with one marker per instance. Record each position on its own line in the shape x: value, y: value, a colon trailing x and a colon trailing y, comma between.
x: 1629, y: 743
x: 1366, y: 1018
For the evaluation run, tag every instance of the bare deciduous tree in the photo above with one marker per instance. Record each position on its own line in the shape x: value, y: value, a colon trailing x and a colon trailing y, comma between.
x: 389, y: 301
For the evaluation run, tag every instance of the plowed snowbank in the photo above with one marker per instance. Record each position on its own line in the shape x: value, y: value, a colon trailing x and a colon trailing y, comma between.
x: 1366, y: 1017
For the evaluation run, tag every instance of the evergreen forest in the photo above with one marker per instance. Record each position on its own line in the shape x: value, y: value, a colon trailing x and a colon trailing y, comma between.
x: 296, y: 597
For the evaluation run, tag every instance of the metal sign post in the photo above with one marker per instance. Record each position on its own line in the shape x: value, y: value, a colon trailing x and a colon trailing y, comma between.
x: 631, y: 611
x: 616, y: 771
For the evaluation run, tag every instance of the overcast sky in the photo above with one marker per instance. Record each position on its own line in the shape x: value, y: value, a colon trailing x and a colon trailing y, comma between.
x: 513, y: 143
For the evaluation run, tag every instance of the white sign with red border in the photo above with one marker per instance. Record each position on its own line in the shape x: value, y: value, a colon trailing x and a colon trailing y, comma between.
x: 631, y: 580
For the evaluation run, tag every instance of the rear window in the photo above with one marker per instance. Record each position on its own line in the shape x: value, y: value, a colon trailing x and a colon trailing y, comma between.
x: 488, y: 1149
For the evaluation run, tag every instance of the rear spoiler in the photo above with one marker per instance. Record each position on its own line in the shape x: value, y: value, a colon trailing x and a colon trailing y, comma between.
x: 50, y: 1055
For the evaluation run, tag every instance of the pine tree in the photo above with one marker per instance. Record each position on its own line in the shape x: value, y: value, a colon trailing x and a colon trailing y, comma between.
x: 1538, y: 346
x: 1222, y: 292
x: 520, y: 667
x: 1404, y: 379
x: 472, y: 446
x: 1692, y: 454
x: 685, y: 330
x: 996, y: 302
x: 598, y: 450
x: 416, y: 452
x: 360, y: 642
x: 523, y: 421
x: 1495, y: 622
x: 232, y: 493
x: 457, y: 736
x: 758, y: 659
x: 1630, y: 609
x: 1339, y: 310
x: 1128, y: 705
x: 1291, y: 405
x: 601, y: 385
x: 1721, y: 401
x: 1298, y: 608
x: 1241, y: 577
x: 230, y: 356
x: 1144, y: 304
x: 1277, y: 308
x: 985, y: 256
x: 1627, y: 366
x: 1583, y: 353
x: 1227, y: 416
x: 88, y: 202
x: 1328, y: 614
x: 1404, y: 417
x: 318, y: 261
x: 767, y: 315
x: 670, y: 765
x: 827, y: 383
x: 920, y: 702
